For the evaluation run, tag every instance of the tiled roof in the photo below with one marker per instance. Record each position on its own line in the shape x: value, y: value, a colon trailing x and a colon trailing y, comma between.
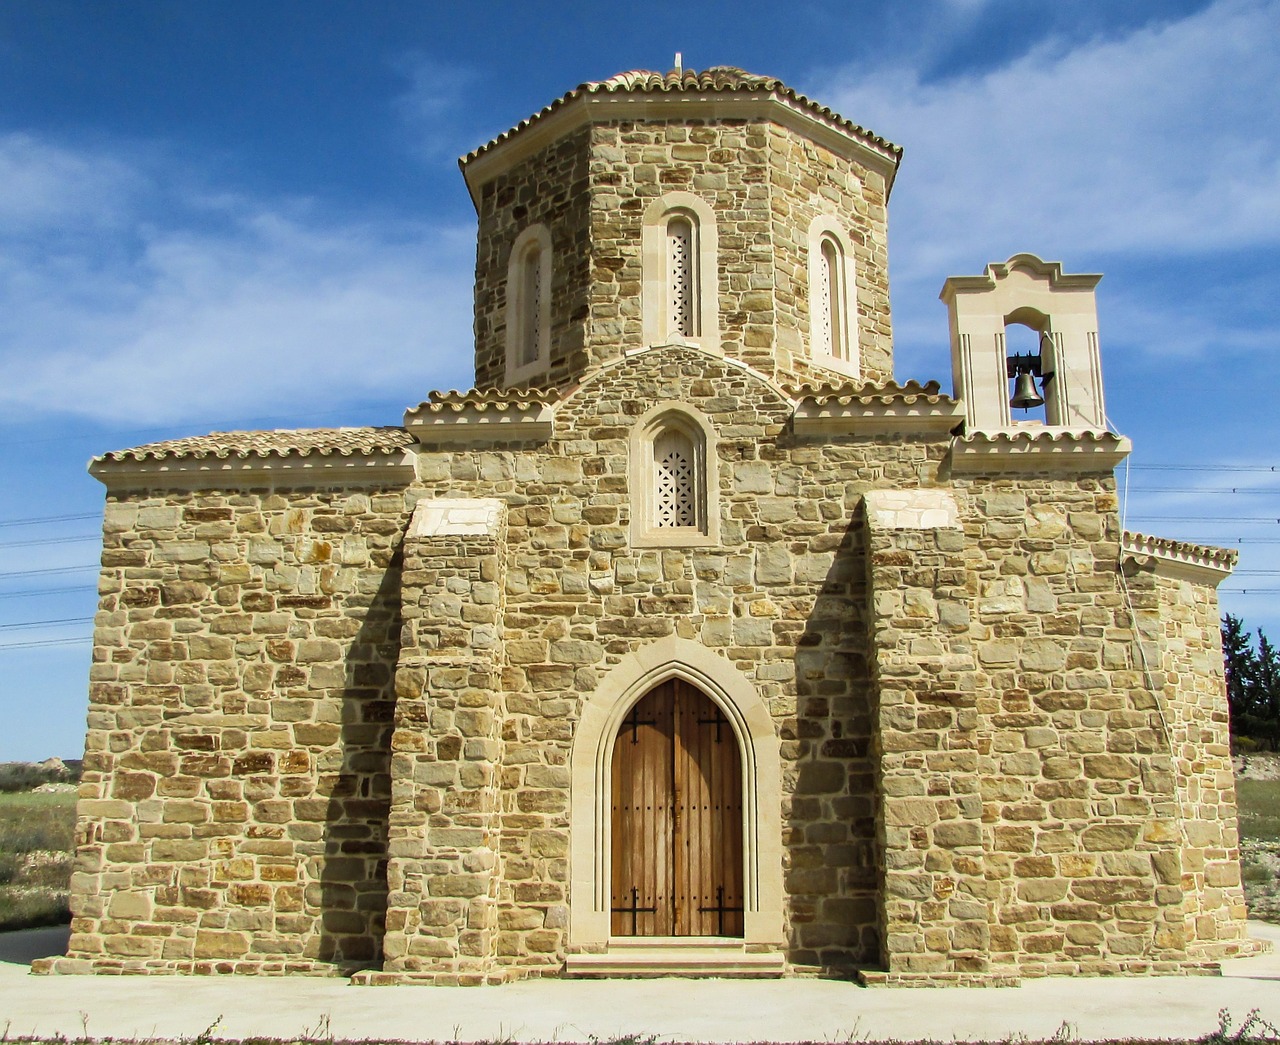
x: 495, y: 395
x: 281, y: 442
x: 871, y: 393
x: 719, y: 78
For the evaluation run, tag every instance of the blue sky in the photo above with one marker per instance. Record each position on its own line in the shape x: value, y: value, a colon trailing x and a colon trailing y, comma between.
x: 246, y: 214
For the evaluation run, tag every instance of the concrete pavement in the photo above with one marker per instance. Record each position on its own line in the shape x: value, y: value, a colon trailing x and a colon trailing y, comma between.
x: 577, y: 1011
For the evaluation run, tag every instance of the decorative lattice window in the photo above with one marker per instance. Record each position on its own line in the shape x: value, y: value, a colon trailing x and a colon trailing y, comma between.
x: 675, y: 495
x: 682, y: 296
x: 673, y: 481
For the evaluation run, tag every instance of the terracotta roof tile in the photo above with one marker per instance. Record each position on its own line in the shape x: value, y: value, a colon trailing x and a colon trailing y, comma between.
x: 871, y: 393
x: 719, y: 78
x: 281, y: 442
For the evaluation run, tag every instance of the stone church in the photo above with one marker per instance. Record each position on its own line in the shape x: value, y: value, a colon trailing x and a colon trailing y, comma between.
x: 687, y: 642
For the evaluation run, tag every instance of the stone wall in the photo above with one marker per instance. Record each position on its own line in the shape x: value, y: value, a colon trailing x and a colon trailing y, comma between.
x: 976, y: 775
x: 233, y: 810
x: 447, y: 773
x: 1079, y: 812
x: 757, y: 178
x: 1180, y: 625
x: 857, y: 198
x: 547, y: 188
x: 780, y: 598
x: 591, y: 190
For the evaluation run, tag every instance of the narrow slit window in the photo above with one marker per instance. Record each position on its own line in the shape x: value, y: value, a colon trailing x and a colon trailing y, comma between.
x: 530, y: 318
x: 830, y: 313
x: 682, y: 299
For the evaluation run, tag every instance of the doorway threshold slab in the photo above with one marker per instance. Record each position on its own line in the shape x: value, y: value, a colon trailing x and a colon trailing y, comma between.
x: 648, y: 956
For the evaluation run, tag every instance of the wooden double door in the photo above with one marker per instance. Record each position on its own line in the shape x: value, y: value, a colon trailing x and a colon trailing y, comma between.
x: 677, y: 818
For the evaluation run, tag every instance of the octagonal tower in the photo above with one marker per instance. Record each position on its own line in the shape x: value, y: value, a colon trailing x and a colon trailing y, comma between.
x: 718, y: 209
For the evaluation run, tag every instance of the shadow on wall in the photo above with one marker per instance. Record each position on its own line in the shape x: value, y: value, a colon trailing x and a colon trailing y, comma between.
x: 832, y: 878
x: 357, y: 791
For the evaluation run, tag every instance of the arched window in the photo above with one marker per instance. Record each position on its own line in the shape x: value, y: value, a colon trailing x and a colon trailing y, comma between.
x: 832, y: 330
x: 678, y: 264
x: 529, y: 305
x: 673, y: 479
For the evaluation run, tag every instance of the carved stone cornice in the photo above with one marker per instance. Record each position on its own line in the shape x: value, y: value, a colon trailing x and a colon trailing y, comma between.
x: 483, y: 416
x: 874, y: 409
x: 1066, y: 451
x: 1178, y: 560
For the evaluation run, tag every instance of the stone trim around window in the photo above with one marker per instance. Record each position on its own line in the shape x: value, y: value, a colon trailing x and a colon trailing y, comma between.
x: 674, y: 479
x: 833, y: 298
x: 657, y: 295
x: 529, y: 305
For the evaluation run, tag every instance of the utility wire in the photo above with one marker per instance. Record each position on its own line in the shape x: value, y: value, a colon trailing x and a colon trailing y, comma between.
x: 38, y: 520
x: 1209, y: 518
x: 1189, y: 490
x: 49, y: 570
x: 81, y: 640
x: 1258, y: 469
x: 35, y: 592
x: 60, y: 622
x: 50, y: 540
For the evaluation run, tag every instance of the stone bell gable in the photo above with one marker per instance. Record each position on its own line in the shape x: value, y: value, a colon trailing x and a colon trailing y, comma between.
x: 693, y: 652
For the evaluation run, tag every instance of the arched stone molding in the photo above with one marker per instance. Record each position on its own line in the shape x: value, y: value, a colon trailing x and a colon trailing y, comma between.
x: 667, y: 416
x: 824, y: 230
x: 591, y: 775
x: 529, y: 305
x: 653, y: 265
x: 600, y: 376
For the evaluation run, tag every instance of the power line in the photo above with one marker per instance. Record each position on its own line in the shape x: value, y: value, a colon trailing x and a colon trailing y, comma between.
x: 50, y: 540
x: 33, y: 592
x: 83, y: 639
x: 1272, y: 490
x: 1207, y: 518
x: 1206, y: 467
x: 47, y: 623
x: 38, y: 520
x: 49, y: 570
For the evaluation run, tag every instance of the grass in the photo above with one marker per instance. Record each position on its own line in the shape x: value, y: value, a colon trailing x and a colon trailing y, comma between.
x: 37, y: 832
x: 1259, y: 809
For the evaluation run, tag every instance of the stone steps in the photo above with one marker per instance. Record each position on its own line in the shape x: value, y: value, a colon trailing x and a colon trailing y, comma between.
x: 676, y: 956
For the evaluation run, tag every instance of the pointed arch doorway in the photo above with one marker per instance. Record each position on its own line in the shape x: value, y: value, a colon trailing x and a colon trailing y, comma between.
x: 677, y: 814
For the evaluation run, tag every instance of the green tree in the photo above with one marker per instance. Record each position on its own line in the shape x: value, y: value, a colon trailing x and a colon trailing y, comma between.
x: 1253, y: 683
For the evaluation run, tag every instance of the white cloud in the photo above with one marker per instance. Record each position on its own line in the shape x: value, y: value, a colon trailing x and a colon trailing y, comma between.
x: 1160, y: 140
x: 201, y: 303
x: 47, y: 186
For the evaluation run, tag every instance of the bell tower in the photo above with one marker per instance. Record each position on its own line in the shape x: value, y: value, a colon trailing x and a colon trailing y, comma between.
x: 1061, y: 311
x: 719, y: 210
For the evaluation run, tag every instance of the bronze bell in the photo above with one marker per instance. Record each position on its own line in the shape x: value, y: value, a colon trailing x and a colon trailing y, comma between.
x: 1025, y: 395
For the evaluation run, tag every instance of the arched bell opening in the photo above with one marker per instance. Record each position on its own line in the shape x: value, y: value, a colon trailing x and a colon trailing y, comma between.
x: 676, y: 824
